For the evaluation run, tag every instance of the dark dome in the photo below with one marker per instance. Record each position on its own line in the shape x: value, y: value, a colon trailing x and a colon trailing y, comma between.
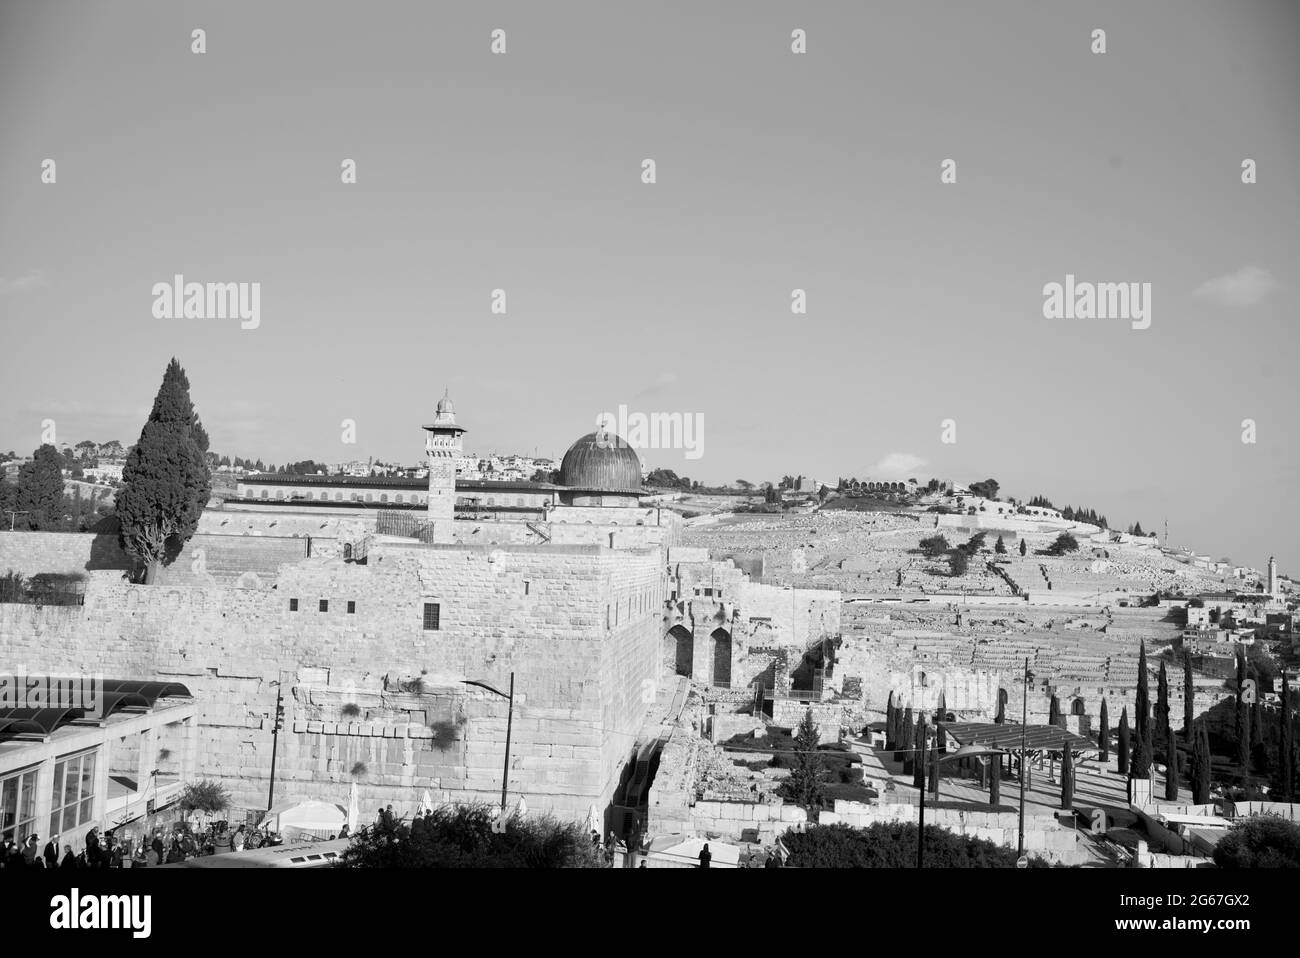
x: 607, y: 464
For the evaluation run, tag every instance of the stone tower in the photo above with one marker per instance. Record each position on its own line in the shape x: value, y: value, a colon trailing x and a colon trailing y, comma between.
x: 442, y: 446
x: 1272, y: 575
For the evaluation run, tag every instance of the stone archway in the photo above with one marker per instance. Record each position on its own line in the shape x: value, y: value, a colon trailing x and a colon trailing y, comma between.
x: 1076, y: 707
x: 721, y: 658
x: 679, y: 650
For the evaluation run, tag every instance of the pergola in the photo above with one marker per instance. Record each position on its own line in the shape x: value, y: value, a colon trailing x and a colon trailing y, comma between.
x: 1037, y: 738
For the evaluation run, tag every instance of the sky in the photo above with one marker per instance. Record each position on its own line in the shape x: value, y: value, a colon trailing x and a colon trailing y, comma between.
x: 775, y: 171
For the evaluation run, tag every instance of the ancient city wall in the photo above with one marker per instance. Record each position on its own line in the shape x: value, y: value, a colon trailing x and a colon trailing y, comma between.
x: 579, y: 626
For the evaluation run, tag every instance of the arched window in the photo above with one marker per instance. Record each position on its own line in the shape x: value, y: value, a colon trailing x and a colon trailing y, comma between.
x: 264, y: 494
x: 397, y: 498
x: 338, y: 496
x: 383, y: 497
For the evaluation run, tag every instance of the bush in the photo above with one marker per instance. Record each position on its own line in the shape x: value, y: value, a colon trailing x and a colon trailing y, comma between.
x: 461, y: 836
x: 1265, y: 841
x: 1064, y: 543
x: 934, y: 546
x: 891, y: 845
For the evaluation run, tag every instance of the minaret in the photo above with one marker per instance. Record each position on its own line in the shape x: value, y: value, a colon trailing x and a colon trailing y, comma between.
x: 442, y: 445
x: 1272, y: 576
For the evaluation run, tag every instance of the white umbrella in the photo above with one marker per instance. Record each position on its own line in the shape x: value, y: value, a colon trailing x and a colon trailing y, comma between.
x: 593, y: 820
x: 354, y: 810
x: 522, y: 809
x: 425, y: 803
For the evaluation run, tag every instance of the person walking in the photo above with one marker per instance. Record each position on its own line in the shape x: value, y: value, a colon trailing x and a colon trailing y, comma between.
x: 52, y: 852
x: 705, y: 856
x: 239, y: 839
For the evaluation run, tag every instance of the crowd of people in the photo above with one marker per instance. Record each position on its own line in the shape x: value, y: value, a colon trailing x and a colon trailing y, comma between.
x: 129, y: 851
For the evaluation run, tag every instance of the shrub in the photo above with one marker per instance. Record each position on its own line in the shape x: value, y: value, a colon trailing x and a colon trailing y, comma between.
x: 461, y: 836
x: 1264, y: 841
x: 891, y: 845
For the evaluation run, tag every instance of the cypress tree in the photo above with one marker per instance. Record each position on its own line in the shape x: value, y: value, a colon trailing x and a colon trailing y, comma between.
x: 907, y: 742
x: 1067, y: 776
x: 1122, y: 755
x: 1285, y: 749
x: 1200, y: 788
x: 1257, y: 718
x: 1001, y: 717
x: 918, y: 761
x: 1103, y: 733
x: 1054, y: 712
x: 40, y: 490
x: 1242, y: 723
x: 890, y: 740
x: 1023, y: 549
x: 1189, y: 703
x: 1203, y: 774
x: 1140, y: 760
x: 1162, y: 738
x: 166, y: 482
x: 1171, y: 772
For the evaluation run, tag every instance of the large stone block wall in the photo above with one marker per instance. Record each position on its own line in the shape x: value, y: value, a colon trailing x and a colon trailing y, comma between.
x: 579, y: 626
x: 33, y: 552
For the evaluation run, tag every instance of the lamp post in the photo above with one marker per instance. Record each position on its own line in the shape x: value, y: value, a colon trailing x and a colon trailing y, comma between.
x: 510, y: 714
x: 1024, y: 726
x: 275, y: 741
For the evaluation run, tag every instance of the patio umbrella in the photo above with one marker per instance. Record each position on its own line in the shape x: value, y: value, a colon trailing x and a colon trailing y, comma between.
x: 426, y: 803
x: 522, y: 808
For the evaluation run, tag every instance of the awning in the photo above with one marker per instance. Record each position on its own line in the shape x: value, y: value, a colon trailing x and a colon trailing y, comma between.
x: 1038, y: 738
x: 309, y: 816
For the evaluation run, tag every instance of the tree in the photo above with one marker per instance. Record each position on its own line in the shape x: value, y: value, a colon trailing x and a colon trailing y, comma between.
x: 934, y: 546
x: 1163, y: 738
x: 1103, y: 733
x: 166, y: 478
x: 40, y: 489
x: 1065, y: 543
x: 892, y: 845
x: 1000, y: 547
x: 1201, y: 767
x: 1171, y: 772
x: 1001, y: 717
x: 1189, y: 699
x: 1286, y: 749
x: 890, y: 741
x: 1140, y: 763
x: 807, y: 781
x: 1242, y: 726
x: 1122, y: 753
x: 986, y: 488
x: 958, y: 562
x: 918, y: 753
x: 205, y: 796
x: 907, y: 742
x: 1054, y: 711
x: 1261, y: 841
x: 1067, y: 776
x: 1137, y: 529
x: 1023, y: 547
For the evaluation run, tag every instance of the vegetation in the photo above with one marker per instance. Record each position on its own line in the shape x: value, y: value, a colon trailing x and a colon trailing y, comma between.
x: 1000, y: 547
x: 166, y: 477
x: 1262, y: 841
x: 1103, y: 733
x: 1065, y: 543
x: 934, y: 546
x: 205, y: 796
x: 807, y: 780
x: 891, y: 845
x: 958, y: 562
x: 985, y: 488
x: 462, y: 836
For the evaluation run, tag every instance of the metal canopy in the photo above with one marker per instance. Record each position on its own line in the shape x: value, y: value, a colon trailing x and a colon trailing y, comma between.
x: 36, y: 721
x: 1038, y: 738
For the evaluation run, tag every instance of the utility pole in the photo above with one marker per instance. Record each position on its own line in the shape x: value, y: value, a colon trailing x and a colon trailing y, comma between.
x: 1024, y: 725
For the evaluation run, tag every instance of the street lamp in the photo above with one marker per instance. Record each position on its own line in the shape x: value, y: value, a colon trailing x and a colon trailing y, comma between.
x: 510, y: 714
x: 275, y: 741
x: 1024, y: 726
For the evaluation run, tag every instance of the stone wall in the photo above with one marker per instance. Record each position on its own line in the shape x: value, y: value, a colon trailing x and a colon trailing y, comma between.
x: 369, y: 692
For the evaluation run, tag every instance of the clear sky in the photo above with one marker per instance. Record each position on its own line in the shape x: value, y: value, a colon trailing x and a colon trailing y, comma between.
x: 775, y: 171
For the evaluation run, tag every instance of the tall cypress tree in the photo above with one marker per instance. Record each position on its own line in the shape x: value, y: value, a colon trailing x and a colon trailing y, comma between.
x: 1189, y: 699
x: 1103, y: 733
x: 907, y: 742
x: 890, y: 740
x: 1285, y: 749
x: 1242, y: 723
x: 1001, y: 717
x: 918, y: 761
x: 1162, y: 739
x: 1201, y: 767
x: 166, y: 482
x: 1206, y: 763
x: 1140, y: 760
x: 1122, y: 752
x: 1067, y: 776
x: 1171, y: 772
x: 1054, y: 711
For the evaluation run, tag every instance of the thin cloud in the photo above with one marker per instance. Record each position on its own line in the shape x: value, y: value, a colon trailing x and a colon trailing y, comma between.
x: 662, y: 382
x: 901, y: 464
x: 32, y: 279
x: 1246, y: 287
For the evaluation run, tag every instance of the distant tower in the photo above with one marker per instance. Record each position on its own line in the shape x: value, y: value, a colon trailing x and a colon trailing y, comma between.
x: 443, y: 445
x: 1272, y: 575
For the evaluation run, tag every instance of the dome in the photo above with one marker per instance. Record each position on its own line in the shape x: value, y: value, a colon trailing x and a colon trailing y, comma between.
x: 601, y: 462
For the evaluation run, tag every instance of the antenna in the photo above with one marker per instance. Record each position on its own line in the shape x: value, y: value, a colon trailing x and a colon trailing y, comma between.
x: 1166, y: 533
